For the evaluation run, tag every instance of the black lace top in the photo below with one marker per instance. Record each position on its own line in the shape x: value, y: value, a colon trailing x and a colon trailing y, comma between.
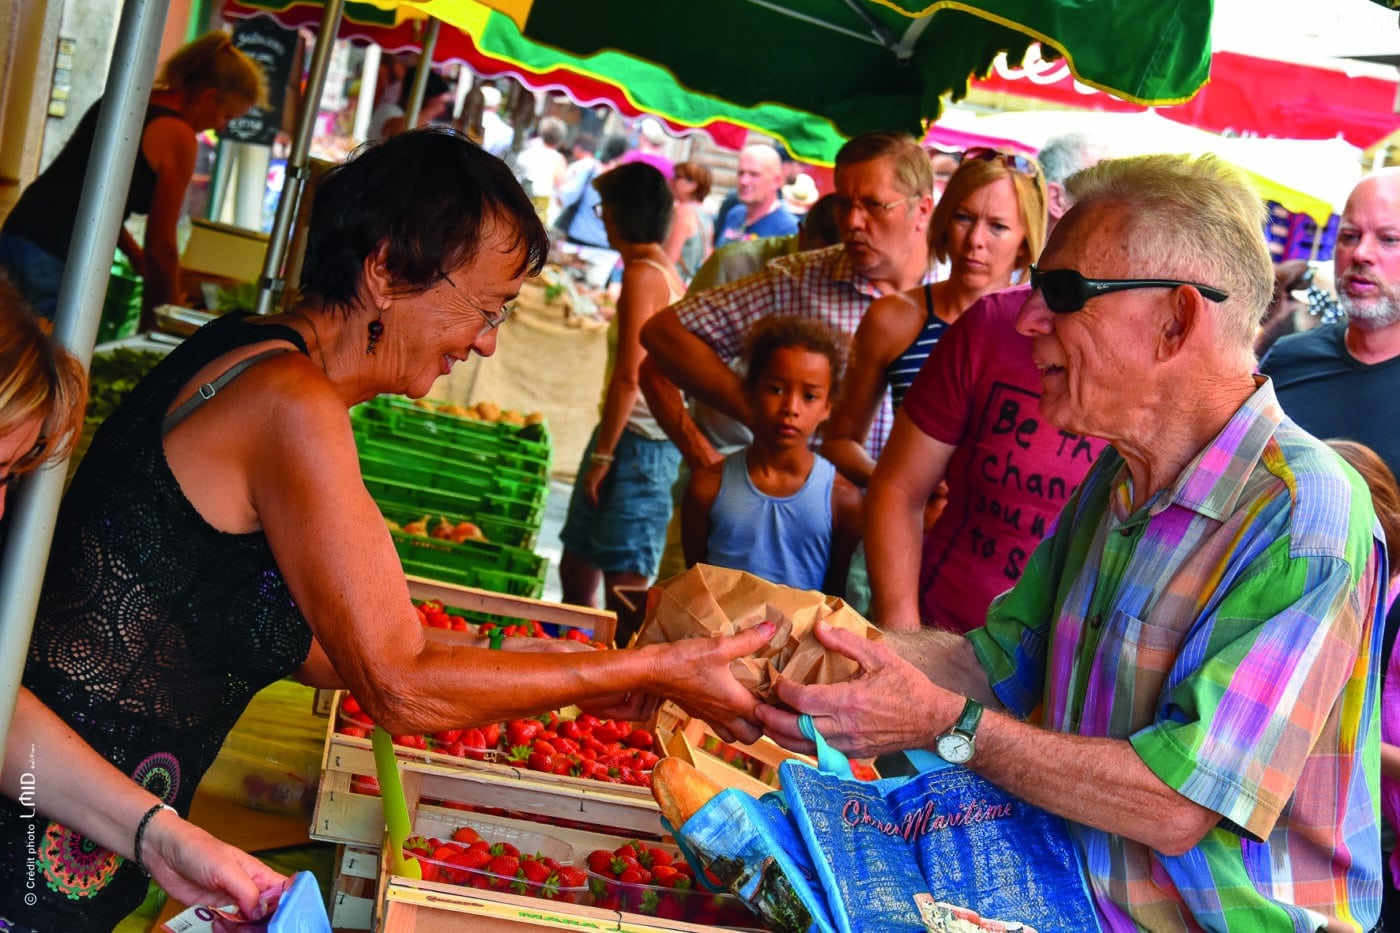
x: 154, y: 631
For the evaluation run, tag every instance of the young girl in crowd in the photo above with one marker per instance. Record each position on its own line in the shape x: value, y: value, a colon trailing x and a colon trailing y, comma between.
x: 776, y: 509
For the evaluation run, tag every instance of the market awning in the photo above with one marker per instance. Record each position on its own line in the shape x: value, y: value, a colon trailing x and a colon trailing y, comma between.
x: 814, y: 72
x: 403, y: 31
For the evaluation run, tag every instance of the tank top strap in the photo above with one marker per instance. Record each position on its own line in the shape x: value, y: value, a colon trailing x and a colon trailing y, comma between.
x: 673, y: 280
x: 928, y: 302
x: 207, y: 391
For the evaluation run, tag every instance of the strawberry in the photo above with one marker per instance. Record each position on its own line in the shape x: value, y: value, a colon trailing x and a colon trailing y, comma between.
x: 506, y: 849
x: 535, y: 872
x: 570, y: 729
x: 355, y: 732
x: 446, y: 852
x: 519, y: 755
x: 575, y: 634
x: 523, y: 731
x: 504, y: 866
x: 474, y: 859
x: 631, y: 875
x: 657, y: 856
x: 600, y: 862
x: 411, y: 741
x: 542, y: 761
x: 571, y: 877
x: 447, y: 736
x: 639, y: 738
x: 608, y: 732
x: 350, y: 706
x: 465, y: 835
x: 492, y: 734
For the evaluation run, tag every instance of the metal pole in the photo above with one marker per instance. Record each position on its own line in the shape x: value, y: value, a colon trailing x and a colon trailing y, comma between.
x: 420, y: 74
x: 100, y: 215
x: 369, y: 90
x: 271, y: 284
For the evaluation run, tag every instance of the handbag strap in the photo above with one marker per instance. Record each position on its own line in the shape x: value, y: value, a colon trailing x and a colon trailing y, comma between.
x: 829, y: 760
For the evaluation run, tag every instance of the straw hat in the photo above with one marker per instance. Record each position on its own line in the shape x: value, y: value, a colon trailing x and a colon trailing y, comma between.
x: 801, y: 194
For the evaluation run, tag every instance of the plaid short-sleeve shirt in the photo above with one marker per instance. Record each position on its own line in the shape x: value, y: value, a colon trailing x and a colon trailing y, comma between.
x: 821, y: 284
x: 1230, y: 630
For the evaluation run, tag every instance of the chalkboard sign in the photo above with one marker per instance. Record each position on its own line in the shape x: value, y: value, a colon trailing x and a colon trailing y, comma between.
x: 272, y: 47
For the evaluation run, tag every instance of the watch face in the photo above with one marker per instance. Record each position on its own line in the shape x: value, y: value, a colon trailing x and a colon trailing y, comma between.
x: 954, y: 747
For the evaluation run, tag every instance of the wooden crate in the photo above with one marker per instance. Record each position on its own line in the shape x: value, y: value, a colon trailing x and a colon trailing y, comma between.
x: 349, y: 816
x: 601, y: 624
x: 343, y: 815
x: 353, y: 888
x: 412, y: 905
x: 423, y: 907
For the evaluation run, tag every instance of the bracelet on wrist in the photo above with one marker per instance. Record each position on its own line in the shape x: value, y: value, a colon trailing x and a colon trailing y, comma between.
x: 141, y: 833
x: 602, y: 458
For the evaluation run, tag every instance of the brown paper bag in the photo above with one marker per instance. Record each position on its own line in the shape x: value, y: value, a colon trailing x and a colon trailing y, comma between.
x: 705, y: 601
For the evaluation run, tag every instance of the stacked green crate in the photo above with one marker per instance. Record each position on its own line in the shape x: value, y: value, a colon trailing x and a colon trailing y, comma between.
x: 420, y: 463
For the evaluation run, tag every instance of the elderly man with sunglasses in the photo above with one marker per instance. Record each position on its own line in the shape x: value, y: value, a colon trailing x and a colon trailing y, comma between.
x: 1185, y: 669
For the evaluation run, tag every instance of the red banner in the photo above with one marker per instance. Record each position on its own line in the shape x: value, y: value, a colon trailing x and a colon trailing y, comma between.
x: 1245, y: 96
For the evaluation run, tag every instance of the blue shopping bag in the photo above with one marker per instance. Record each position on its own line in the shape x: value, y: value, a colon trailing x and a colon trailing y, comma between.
x: 831, y: 854
x: 751, y: 848
x: 888, y: 851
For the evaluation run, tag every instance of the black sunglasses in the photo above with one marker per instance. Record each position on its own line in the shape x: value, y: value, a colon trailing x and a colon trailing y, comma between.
x: 1017, y: 163
x: 1065, y: 290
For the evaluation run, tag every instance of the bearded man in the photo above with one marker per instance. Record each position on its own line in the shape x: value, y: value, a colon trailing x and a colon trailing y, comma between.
x: 1343, y: 379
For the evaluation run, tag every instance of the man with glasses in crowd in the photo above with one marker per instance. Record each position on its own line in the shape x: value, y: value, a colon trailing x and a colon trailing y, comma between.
x: 1193, y: 643
x: 884, y: 193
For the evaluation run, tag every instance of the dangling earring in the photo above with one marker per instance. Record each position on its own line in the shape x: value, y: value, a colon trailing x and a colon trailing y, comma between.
x: 376, y: 330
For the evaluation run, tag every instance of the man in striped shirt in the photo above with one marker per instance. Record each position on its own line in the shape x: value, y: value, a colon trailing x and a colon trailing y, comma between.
x: 1186, y: 670
x: 884, y: 196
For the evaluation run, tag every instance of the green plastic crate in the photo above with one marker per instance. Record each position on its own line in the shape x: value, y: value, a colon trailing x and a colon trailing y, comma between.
x: 406, y: 496
x: 423, y: 469
x: 461, y: 440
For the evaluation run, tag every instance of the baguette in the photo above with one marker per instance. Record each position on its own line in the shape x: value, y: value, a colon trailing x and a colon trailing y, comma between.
x: 680, y: 790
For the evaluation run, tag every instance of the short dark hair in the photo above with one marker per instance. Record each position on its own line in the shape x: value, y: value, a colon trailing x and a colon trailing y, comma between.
x: 425, y: 196
x: 614, y: 147
x: 586, y: 142
x: 778, y: 331
x: 818, y: 227
x: 638, y: 200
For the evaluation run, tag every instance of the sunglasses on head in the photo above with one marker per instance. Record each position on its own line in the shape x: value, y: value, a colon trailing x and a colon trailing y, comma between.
x: 1065, y: 290
x: 1017, y: 163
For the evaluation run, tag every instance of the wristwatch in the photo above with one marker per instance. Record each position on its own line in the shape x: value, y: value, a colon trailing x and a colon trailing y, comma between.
x: 958, y: 744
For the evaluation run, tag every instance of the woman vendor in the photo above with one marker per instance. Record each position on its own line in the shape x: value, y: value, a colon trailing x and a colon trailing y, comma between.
x: 201, y: 86
x: 218, y: 535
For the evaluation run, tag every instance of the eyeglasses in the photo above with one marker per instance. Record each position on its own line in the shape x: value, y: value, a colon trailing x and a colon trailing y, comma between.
x: 867, y: 206
x: 1017, y: 163
x: 493, y: 321
x: 598, y: 210
x: 22, y: 465
x: 1065, y: 290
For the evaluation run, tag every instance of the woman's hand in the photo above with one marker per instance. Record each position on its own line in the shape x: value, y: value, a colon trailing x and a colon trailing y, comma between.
x: 695, y: 674
x: 593, y: 479
x: 196, y: 869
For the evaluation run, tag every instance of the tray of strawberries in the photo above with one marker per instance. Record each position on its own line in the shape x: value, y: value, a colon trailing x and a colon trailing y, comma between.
x: 583, y: 746
x: 654, y: 880
x: 502, y: 858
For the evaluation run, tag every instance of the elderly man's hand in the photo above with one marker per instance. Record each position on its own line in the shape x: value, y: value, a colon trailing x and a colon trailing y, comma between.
x: 889, y: 706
